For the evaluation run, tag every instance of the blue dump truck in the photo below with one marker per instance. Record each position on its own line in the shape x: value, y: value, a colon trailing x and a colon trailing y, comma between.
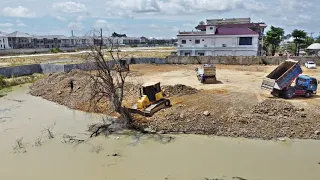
x: 279, y: 81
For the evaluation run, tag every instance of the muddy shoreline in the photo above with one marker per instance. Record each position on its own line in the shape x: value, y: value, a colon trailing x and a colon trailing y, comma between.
x: 210, y: 112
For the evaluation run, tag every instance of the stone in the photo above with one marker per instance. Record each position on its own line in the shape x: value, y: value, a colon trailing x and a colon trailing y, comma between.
x: 161, y: 132
x: 281, y: 139
x: 317, y: 132
x: 149, y: 130
x: 206, y: 113
x: 303, y: 115
x: 182, y: 115
x: 59, y: 92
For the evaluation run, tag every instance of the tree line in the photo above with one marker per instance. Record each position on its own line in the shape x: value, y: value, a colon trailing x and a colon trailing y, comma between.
x: 275, y: 35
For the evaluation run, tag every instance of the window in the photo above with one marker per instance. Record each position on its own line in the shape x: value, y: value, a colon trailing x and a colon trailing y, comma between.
x: 211, y: 28
x: 187, y: 54
x: 201, y: 54
x: 202, y: 39
x: 183, y: 41
x: 197, y: 41
x: 224, y: 45
x: 245, y: 41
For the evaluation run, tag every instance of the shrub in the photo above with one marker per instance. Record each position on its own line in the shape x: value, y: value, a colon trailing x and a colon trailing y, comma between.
x: 2, y: 82
x: 55, y: 50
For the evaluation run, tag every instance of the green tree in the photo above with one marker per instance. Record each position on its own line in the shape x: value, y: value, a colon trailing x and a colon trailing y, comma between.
x: 273, y: 38
x: 318, y: 40
x: 300, y: 37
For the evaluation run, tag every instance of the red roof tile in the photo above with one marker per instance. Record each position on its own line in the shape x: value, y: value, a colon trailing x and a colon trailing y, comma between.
x: 235, y: 31
x: 235, y: 25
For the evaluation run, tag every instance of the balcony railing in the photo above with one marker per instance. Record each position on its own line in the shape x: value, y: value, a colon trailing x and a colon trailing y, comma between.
x: 192, y: 33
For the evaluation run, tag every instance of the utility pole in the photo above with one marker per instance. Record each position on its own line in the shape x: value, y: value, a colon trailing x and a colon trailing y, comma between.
x: 311, y: 34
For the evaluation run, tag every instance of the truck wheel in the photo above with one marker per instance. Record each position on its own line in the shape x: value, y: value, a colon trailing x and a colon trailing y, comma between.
x: 308, y: 94
x: 288, y: 94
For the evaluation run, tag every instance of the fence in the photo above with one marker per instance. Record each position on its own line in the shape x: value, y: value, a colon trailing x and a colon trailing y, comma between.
x: 232, y: 60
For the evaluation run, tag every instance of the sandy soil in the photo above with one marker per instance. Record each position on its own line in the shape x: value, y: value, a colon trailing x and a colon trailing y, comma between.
x: 235, y: 107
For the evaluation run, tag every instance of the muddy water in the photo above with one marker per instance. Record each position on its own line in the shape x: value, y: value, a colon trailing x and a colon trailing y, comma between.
x: 186, y: 158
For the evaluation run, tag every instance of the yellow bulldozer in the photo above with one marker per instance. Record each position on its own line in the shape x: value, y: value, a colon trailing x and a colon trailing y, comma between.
x: 151, y: 100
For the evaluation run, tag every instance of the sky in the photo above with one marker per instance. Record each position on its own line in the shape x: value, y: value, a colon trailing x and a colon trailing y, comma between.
x: 150, y: 18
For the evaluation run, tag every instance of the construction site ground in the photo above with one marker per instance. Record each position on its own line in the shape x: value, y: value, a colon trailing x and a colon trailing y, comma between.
x: 234, y: 107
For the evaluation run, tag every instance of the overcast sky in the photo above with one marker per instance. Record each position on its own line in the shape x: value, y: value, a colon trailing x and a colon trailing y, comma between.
x: 150, y: 18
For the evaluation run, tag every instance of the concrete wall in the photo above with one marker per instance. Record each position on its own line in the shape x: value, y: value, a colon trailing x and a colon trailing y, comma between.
x: 232, y: 60
x: 20, y: 70
x: 236, y: 60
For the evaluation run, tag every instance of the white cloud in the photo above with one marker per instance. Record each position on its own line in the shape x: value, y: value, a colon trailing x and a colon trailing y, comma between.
x: 60, y: 18
x: 129, y: 7
x: 78, y: 26
x: 19, y: 11
x: 295, y: 5
x: 5, y: 25
x: 69, y: 7
x: 102, y: 24
x: 20, y: 23
x: 81, y: 18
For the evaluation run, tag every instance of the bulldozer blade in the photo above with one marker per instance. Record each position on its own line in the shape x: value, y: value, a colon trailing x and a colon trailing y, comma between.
x: 153, y: 108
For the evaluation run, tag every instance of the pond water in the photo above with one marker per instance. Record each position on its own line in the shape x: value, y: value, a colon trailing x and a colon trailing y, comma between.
x: 187, y: 157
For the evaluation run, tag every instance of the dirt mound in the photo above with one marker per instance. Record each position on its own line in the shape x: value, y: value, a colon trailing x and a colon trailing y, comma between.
x: 57, y: 88
x: 179, y: 90
x: 276, y: 108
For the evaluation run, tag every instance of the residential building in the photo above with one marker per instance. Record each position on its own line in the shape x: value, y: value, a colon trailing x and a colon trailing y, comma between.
x: 238, y: 23
x: 3, y: 41
x: 131, y: 41
x: 219, y: 37
x: 50, y: 41
x: 18, y: 40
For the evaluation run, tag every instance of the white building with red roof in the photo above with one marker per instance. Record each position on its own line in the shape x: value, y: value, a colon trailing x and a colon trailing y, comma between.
x: 229, y: 38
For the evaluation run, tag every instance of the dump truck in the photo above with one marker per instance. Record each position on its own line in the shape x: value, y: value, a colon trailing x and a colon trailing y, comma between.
x: 280, y: 80
x: 206, y: 74
x: 151, y: 100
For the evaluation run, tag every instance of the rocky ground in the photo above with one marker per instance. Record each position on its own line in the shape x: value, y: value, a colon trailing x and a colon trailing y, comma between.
x: 212, y: 111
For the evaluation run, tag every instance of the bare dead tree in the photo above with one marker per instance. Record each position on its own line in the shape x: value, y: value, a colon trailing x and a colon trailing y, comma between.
x: 108, y: 81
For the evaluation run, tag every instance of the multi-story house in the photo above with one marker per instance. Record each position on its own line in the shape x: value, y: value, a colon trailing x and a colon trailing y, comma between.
x: 237, y: 23
x: 17, y: 40
x: 220, y: 41
x: 50, y: 41
x: 3, y: 41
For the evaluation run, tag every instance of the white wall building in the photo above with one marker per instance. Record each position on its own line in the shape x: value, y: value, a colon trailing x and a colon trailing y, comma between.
x: 218, y: 41
x: 4, y: 44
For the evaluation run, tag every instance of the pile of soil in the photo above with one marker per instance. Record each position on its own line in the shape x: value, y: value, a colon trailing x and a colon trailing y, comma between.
x: 276, y: 108
x: 270, y: 119
x: 56, y: 87
x: 179, y: 90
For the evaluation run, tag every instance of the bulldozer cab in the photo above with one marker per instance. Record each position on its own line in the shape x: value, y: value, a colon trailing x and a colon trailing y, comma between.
x: 150, y: 90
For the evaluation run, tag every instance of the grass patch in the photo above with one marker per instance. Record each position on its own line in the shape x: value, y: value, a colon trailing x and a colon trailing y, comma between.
x: 19, y: 61
x: 6, y: 84
x: 5, y: 91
